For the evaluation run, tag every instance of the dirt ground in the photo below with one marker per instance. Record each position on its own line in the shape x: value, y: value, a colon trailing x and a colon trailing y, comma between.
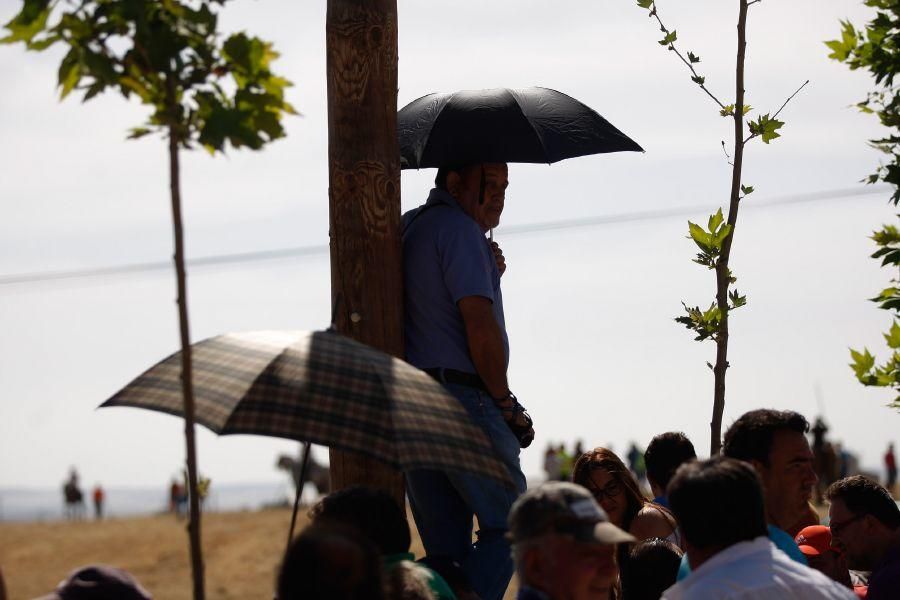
x: 241, y: 553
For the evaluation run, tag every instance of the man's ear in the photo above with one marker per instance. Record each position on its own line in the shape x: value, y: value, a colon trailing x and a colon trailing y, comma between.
x: 534, y: 566
x: 454, y: 180
x: 761, y: 469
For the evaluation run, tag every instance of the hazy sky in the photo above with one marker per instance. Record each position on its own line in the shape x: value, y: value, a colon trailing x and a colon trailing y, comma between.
x: 596, y: 354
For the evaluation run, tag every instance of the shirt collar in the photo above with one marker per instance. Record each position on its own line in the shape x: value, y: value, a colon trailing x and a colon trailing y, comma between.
x: 439, y: 196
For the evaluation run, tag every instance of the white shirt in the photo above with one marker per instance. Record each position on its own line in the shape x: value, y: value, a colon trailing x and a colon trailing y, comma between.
x: 756, y: 569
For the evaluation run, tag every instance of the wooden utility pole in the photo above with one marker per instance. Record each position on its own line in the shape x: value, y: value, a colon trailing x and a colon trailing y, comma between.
x: 364, y: 195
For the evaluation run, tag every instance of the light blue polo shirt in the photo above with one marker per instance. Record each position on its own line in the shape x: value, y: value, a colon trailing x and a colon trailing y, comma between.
x: 446, y: 257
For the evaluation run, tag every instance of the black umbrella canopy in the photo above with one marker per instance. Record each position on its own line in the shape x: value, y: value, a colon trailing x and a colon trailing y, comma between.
x: 528, y: 125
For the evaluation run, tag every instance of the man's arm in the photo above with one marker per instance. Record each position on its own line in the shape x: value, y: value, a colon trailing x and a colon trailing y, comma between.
x: 485, y: 343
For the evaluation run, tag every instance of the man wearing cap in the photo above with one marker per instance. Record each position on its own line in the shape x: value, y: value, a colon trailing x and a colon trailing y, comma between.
x: 815, y: 544
x: 99, y: 582
x: 455, y: 330
x: 563, y: 544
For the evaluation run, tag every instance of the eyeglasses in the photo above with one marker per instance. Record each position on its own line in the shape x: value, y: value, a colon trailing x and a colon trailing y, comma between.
x: 837, y: 527
x: 610, y: 490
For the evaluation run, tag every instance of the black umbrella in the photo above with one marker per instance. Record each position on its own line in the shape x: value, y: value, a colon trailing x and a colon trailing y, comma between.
x: 530, y: 125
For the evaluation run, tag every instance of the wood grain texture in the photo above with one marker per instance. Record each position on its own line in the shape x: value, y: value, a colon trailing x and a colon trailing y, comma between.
x: 364, y: 195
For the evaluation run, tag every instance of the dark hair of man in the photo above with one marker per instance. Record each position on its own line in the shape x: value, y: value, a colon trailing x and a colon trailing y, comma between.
x: 373, y: 512
x: 862, y: 496
x: 329, y: 562
x: 751, y: 436
x: 665, y: 453
x: 651, y: 568
x: 718, y: 502
x: 440, y: 180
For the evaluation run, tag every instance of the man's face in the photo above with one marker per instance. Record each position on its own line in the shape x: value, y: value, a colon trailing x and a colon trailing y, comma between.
x: 566, y: 569
x: 849, y: 534
x: 788, y: 479
x: 465, y: 186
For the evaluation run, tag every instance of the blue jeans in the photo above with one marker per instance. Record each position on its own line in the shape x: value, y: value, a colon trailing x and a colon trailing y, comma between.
x: 443, y: 504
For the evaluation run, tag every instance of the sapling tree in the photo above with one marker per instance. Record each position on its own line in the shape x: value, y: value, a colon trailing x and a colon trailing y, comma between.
x: 202, y: 90
x: 876, y: 48
x: 715, y: 240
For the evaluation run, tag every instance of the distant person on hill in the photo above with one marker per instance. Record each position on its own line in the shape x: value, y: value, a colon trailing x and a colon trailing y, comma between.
x: 377, y: 516
x: 890, y: 467
x: 331, y: 563
x: 665, y: 453
x: 614, y: 487
x: 720, y: 509
x: 865, y: 523
x: 636, y: 462
x: 98, y: 502
x: 99, y: 582
x: 774, y: 443
x: 651, y: 568
x: 563, y: 544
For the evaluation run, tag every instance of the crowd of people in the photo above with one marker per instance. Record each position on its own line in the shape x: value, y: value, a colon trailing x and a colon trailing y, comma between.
x: 740, y: 525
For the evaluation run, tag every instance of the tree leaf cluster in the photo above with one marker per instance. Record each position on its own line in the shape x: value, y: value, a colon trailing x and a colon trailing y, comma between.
x: 706, y: 324
x: 876, y: 49
x: 170, y: 56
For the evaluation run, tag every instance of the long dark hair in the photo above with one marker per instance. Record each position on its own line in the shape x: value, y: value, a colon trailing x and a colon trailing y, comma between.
x: 603, y: 458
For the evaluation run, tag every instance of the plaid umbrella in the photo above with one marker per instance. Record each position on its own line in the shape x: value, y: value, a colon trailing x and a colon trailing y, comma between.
x: 325, y: 388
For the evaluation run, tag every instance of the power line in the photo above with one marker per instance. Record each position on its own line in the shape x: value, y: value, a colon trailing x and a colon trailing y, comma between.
x: 514, y: 230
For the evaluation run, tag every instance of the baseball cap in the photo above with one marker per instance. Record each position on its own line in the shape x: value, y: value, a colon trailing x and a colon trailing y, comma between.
x: 99, y: 582
x: 564, y: 508
x: 814, y: 540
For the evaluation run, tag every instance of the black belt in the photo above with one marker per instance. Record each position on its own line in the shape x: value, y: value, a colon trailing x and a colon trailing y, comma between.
x: 458, y: 377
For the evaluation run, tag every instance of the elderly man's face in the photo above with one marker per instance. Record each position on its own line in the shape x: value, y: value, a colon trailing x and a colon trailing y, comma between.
x: 465, y: 186
x: 566, y: 569
x: 789, y: 478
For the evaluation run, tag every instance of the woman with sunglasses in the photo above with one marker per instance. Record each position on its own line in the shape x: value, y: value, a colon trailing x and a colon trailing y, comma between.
x: 616, y: 490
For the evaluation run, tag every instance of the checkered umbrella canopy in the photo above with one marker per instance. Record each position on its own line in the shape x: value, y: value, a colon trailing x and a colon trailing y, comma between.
x: 325, y: 388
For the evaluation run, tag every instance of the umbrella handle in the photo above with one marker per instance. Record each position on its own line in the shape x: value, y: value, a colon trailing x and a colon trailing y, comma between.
x: 300, y: 483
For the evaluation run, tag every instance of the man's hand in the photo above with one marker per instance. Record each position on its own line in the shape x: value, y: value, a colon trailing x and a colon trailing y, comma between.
x: 498, y: 256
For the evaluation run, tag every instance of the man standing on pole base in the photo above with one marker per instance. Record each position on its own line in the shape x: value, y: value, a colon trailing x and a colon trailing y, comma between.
x: 455, y: 331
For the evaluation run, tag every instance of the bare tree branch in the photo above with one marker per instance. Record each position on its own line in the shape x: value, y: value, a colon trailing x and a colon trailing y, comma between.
x: 791, y: 96
x: 690, y: 66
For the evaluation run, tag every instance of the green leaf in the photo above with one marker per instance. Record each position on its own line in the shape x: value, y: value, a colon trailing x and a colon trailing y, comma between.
x: 715, y: 220
x: 693, y: 58
x: 766, y: 127
x: 669, y: 38
x: 30, y: 21
x: 700, y: 236
x: 747, y: 189
x: 728, y: 111
x: 698, y: 79
x: 863, y: 362
x: 843, y: 48
x: 645, y: 3
x: 138, y: 132
x: 69, y: 72
x: 892, y: 337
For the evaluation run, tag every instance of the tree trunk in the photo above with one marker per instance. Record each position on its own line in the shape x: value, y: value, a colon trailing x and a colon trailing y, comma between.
x: 187, y: 386
x: 364, y: 194
x: 723, y: 273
